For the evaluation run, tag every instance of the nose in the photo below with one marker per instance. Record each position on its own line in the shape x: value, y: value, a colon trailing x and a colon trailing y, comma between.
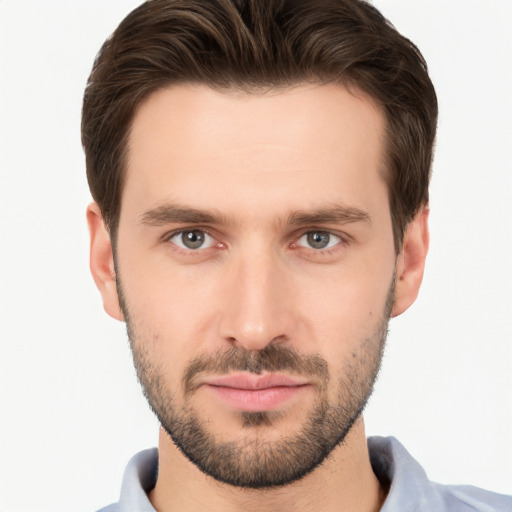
x: 256, y: 309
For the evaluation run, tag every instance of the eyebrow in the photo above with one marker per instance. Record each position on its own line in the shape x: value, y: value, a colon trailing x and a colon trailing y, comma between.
x: 173, y: 213
x: 334, y: 215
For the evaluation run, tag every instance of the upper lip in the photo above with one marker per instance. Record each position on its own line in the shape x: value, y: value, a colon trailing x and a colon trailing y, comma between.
x: 251, y: 381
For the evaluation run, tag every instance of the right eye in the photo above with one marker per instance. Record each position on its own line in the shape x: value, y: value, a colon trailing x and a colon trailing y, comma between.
x: 192, y: 239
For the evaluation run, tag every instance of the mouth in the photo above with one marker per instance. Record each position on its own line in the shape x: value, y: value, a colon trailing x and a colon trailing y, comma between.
x: 256, y: 393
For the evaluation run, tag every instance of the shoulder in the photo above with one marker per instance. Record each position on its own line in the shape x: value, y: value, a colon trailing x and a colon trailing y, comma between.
x: 138, y: 479
x: 110, y: 508
x: 410, y: 488
x: 466, y: 498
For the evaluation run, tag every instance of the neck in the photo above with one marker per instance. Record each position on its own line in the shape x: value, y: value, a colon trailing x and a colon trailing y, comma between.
x: 344, y: 482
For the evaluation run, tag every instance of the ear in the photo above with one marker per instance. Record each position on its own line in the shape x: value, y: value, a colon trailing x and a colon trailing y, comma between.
x: 411, y: 262
x: 102, y: 262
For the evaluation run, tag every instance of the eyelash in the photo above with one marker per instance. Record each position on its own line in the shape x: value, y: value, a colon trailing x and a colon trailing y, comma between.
x: 343, y: 242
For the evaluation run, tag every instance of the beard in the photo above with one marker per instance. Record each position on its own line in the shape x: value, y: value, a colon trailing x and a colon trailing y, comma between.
x: 255, y: 462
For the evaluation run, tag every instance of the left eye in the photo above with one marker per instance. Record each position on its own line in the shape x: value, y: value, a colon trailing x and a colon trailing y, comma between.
x: 192, y: 239
x: 318, y: 240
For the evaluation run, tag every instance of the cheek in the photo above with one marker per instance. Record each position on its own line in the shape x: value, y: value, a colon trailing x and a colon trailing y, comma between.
x: 346, y: 320
x: 160, y: 291
x: 348, y: 303
x: 163, y: 312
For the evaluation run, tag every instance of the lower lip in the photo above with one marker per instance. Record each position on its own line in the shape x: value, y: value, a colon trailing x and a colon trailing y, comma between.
x: 256, y: 400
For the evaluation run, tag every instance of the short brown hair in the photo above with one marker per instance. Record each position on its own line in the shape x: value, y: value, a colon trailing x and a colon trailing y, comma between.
x: 254, y: 44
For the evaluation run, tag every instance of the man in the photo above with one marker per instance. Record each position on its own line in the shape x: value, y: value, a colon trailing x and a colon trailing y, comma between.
x: 260, y: 174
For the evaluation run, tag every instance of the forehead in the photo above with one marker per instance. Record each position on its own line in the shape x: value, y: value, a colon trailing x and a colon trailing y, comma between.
x: 310, y: 142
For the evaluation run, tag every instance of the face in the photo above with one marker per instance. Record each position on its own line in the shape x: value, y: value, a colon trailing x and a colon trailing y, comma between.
x: 255, y: 269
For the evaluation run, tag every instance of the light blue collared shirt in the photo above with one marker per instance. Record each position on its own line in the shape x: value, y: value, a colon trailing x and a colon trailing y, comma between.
x: 409, y: 491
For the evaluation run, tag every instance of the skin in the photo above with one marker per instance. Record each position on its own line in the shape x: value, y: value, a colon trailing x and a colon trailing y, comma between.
x: 255, y: 160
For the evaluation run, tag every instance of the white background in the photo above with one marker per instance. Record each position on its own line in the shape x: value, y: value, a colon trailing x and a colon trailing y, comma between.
x: 71, y: 410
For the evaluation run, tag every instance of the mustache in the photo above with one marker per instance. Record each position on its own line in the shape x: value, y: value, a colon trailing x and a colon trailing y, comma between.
x: 272, y: 358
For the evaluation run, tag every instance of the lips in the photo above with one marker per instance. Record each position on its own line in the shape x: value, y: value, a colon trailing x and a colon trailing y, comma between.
x: 255, y: 393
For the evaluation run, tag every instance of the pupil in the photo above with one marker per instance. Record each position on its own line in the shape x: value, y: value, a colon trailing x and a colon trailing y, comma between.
x: 318, y: 240
x: 193, y: 239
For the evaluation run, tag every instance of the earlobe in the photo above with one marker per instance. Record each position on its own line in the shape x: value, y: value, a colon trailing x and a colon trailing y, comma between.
x: 411, y: 262
x: 102, y: 262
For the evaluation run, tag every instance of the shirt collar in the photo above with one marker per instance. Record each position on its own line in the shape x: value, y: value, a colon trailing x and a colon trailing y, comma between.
x: 409, y: 488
